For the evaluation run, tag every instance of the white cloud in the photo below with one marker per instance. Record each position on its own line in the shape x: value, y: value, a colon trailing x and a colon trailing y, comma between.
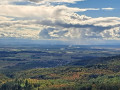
x: 84, y: 28
x: 3, y: 18
x: 6, y: 2
x: 19, y: 29
x: 13, y: 32
x: 109, y: 8
x: 55, y: 1
x: 38, y: 11
x: 55, y: 22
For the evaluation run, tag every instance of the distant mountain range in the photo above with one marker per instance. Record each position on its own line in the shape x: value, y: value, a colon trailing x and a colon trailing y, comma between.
x: 19, y: 41
x: 22, y: 41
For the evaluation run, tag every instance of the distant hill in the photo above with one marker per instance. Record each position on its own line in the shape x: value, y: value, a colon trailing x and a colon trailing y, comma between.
x: 112, y: 62
x: 23, y: 42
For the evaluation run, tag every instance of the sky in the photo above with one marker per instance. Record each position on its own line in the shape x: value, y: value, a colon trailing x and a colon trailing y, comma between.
x: 83, y: 22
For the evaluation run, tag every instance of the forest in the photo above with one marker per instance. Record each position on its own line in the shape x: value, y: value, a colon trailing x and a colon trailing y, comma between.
x: 60, y: 67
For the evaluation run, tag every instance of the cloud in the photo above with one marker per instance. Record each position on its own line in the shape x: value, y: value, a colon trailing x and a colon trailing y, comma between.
x: 53, y: 33
x: 6, y: 2
x: 38, y: 11
x: 84, y: 28
x: 55, y: 22
x: 19, y: 29
x: 109, y: 8
x: 13, y: 32
x: 55, y: 1
x: 3, y: 18
x: 112, y: 34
